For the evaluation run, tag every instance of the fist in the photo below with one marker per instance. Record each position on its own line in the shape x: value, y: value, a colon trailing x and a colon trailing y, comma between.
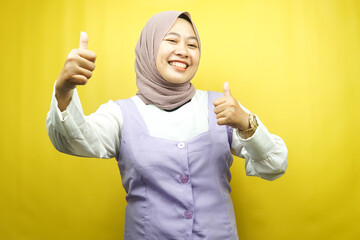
x: 78, y: 67
x: 228, y: 111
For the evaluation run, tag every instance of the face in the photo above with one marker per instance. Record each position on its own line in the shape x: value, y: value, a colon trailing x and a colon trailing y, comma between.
x: 178, y: 57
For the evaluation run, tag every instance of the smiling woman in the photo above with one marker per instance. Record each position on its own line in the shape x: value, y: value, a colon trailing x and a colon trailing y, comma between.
x: 178, y: 57
x: 173, y: 143
x: 163, y: 40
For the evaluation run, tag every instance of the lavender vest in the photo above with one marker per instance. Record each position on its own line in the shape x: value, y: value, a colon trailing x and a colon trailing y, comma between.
x: 176, y: 190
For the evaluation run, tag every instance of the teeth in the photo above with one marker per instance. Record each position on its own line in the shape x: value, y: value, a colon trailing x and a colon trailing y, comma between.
x: 178, y: 64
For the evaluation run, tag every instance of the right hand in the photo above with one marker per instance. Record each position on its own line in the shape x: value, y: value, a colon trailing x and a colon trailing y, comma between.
x: 77, y: 69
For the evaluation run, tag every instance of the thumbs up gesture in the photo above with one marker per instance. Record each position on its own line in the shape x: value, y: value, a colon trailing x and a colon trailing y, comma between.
x: 228, y: 111
x: 78, y: 67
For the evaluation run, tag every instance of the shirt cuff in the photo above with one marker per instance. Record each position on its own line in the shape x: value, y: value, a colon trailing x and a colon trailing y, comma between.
x: 260, y: 144
x: 67, y: 121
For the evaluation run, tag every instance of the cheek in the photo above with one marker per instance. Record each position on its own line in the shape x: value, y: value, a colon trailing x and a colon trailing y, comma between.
x: 160, y: 53
x: 161, y: 58
x: 159, y: 61
x: 196, y: 59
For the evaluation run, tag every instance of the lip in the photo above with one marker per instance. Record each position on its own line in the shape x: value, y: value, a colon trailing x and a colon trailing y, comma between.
x: 178, y: 68
x: 179, y: 62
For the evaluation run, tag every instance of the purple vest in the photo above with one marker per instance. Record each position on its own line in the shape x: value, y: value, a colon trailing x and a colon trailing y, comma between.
x: 176, y: 190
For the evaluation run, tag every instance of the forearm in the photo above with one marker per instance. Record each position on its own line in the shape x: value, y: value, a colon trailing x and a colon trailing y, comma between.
x: 63, y: 97
x: 97, y: 135
x: 265, y: 154
x: 269, y: 166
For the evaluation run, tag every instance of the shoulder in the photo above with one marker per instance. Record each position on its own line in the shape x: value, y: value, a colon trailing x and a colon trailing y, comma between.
x: 111, y: 107
x: 203, y: 93
x: 208, y: 95
x: 200, y: 94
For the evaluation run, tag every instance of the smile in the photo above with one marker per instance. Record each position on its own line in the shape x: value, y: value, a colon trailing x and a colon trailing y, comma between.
x: 178, y: 65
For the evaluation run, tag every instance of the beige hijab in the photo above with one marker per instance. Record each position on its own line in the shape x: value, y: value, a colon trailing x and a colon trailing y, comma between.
x: 153, y: 89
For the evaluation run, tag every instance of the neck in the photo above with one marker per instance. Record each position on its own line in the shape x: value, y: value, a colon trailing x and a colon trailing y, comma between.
x: 171, y: 110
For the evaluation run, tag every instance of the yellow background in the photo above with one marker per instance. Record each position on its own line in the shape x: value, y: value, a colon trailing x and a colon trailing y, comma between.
x: 295, y: 63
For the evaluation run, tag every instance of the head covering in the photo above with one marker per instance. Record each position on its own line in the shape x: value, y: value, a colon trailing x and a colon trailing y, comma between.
x: 153, y: 88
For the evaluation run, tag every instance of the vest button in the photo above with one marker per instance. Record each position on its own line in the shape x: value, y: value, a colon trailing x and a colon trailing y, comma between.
x: 184, y: 178
x: 187, y: 236
x: 181, y: 145
x: 188, y: 214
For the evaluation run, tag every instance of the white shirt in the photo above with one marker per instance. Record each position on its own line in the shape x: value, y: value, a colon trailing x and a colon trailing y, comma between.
x: 99, y: 134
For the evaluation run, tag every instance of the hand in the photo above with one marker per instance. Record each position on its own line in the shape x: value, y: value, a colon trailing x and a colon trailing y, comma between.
x: 228, y: 111
x: 78, y: 67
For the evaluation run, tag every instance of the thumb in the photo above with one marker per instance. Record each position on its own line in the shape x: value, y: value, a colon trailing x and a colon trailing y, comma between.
x: 84, y: 39
x: 226, y: 89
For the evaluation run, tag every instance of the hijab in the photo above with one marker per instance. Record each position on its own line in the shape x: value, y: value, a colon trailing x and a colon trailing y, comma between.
x: 152, y: 87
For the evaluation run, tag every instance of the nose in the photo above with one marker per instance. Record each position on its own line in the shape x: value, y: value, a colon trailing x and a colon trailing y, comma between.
x: 181, y: 50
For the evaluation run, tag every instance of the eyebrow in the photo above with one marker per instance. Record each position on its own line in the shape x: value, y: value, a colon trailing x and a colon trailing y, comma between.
x: 178, y: 35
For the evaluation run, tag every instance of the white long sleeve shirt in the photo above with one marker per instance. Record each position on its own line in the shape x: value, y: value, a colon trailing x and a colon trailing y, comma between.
x: 99, y: 134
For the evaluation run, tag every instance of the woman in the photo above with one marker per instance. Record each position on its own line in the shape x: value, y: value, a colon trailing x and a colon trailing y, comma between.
x: 173, y: 143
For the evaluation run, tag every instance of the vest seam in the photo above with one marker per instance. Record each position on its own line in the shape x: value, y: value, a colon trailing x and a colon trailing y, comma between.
x: 133, y: 168
x: 212, y: 129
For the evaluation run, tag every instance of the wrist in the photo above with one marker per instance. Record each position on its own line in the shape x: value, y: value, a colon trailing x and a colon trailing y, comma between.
x: 244, y: 123
x: 246, y: 133
x: 62, y: 87
x: 63, y: 93
x: 63, y: 96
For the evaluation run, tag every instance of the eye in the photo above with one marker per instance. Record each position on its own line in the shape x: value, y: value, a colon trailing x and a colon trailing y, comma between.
x: 192, y: 45
x: 170, y: 40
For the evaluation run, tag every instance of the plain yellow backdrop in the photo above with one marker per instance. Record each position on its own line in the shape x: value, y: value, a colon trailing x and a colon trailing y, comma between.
x: 295, y: 63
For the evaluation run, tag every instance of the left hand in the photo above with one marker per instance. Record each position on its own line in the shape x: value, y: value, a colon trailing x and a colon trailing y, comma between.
x: 229, y: 112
